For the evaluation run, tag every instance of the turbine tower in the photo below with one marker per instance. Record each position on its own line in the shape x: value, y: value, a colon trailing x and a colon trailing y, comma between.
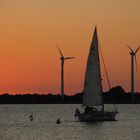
x: 133, y: 54
x: 62, y: 58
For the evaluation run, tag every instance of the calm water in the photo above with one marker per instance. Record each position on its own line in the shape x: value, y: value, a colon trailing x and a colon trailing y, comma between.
x: 15, y: 124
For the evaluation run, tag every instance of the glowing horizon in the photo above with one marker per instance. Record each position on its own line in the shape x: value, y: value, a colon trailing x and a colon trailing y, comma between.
x: 30, y: 30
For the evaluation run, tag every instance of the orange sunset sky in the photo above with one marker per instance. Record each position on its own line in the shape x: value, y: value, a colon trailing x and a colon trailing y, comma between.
x: 30, y: 30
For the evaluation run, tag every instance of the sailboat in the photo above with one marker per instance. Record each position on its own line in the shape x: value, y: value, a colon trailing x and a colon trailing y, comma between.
x: 92, y: 94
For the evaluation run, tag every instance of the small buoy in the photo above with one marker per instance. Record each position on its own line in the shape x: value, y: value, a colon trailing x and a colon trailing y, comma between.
x: 58, y: 121
x: 31, y: 117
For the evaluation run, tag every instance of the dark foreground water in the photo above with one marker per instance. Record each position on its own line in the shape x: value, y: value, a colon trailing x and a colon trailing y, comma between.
x: 16, y: 125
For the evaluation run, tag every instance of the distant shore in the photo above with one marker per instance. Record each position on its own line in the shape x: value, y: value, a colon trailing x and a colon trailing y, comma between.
x: 116, y: 95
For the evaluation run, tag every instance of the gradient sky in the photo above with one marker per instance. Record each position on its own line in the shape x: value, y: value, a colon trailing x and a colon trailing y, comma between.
x: 30, y: 30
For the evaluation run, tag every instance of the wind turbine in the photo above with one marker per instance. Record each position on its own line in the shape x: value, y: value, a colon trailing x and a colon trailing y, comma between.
x: 62, y: 58
x: 133, y: 54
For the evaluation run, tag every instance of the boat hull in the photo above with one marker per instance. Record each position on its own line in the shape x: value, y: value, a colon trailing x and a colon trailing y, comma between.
x: 97, y: 116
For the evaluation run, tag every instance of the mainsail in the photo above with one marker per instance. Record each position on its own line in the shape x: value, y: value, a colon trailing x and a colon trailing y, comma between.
x: 92, y: 86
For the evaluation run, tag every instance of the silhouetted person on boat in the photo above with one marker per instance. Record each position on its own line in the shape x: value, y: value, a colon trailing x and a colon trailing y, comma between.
x: 58, y: 121
x: 31, y: 118
x: 77, y: 112
x: 88, y: 110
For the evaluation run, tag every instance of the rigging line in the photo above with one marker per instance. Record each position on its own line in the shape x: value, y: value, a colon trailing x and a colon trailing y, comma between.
x: 105, y: 68
x: 107, y: 75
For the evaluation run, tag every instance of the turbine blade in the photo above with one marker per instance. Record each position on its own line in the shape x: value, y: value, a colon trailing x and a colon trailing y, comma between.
x: 69, y: 57
x: 130, y: 49
x: 136, y: 63
x: 137, y: 50
x: 60, y: 51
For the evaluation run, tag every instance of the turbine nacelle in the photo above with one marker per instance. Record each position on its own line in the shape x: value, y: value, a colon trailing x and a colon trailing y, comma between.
x: 132, y: 53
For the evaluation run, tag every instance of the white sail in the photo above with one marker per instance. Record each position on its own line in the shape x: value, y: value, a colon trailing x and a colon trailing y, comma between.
x: 92, y: 86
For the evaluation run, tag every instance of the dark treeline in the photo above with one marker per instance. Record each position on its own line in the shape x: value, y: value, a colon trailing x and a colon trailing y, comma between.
x: 115, y: 95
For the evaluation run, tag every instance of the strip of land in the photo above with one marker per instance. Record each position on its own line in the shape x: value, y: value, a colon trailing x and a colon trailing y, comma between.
x: 115, y: 95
